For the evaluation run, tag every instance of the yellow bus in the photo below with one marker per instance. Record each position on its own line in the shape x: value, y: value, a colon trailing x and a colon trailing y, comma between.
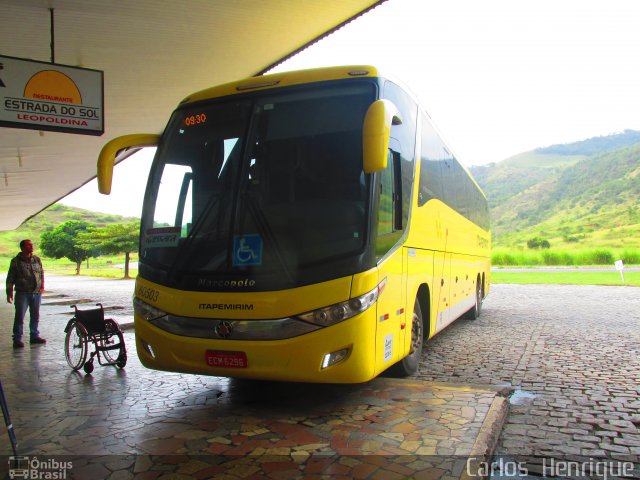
x: 303, y: 226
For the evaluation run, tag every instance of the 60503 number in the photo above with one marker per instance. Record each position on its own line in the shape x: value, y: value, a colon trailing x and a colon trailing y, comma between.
x: 148, y: 293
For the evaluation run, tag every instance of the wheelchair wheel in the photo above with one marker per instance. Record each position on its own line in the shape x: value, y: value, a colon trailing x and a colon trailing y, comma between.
x: 88, y: 367
x: 122, y: 360
x: 75, y: 346
x: 116, y: 356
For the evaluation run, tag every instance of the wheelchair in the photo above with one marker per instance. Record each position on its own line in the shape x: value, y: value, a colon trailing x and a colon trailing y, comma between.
x: 90, y: 326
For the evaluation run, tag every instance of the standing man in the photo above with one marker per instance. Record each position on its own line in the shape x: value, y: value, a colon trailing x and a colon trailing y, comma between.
x: 27, y: 275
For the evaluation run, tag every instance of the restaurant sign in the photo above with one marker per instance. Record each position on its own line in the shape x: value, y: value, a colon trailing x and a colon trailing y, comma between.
x: 50, y: 96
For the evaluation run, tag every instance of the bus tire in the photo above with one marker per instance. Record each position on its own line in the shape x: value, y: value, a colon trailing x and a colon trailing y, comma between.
x: 409, y: 364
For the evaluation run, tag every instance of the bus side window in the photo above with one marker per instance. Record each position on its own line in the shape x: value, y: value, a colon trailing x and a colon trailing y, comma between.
x: 389, y: 205
x: 397, y: 190
x: 386, y: 208
x: 403, y: 141
x: 431, y: 164
x: 390, y: 210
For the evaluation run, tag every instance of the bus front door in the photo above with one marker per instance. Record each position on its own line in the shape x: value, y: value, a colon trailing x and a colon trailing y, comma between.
x: 391, y: 312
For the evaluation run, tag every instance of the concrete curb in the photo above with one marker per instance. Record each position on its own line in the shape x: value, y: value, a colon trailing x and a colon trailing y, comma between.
x: 487, y: 439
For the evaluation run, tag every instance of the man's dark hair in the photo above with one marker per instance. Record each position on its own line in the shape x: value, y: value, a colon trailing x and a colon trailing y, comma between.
x: 22, y: 242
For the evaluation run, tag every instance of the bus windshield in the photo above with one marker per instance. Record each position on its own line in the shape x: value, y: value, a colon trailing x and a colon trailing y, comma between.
x: 264, y: 183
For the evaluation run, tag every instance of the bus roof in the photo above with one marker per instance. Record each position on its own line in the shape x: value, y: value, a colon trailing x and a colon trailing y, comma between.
x: 283, y: 79
x: 300, y: 77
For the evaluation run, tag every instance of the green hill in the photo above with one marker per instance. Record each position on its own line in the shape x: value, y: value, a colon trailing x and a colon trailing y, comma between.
x: 595, y: 145
x: 582, y: 194
x: 502, y: 181
x: 49, y: 219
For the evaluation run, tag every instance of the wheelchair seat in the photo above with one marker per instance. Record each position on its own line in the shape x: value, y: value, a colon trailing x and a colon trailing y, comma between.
x: 93, y: 319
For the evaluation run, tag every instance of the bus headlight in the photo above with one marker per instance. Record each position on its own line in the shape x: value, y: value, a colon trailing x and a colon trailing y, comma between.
x: 146, y: 311
x: 342, y: 311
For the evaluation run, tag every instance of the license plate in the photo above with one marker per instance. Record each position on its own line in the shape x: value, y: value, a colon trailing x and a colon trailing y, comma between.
x: 220, y: 358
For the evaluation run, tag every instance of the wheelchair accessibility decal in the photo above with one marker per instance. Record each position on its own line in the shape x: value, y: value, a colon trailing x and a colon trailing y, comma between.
x: 247, y: 250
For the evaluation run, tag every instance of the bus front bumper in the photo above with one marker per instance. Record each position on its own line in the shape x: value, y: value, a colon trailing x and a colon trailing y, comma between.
x: 304, y: 358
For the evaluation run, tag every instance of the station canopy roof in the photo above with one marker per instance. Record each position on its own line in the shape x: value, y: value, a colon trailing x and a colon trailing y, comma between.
x: 153, y: 54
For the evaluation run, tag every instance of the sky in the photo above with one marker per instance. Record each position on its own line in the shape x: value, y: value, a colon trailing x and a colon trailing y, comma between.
x: 497, y: 77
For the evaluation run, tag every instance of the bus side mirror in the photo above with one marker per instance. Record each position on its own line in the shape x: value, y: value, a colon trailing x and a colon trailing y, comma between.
x: 127, y: 143
x: 376, y: 131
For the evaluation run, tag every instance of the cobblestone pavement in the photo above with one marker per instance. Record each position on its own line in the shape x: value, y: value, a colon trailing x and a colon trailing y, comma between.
x: 572, y: 354
x: 143, y: 424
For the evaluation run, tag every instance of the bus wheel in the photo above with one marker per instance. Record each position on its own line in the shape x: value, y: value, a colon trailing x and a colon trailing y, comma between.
x: 475, y: 311
x: 409, y: 364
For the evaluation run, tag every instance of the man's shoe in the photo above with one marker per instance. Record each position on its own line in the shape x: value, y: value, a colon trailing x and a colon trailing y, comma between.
x: 18, y: 344
x: 37, y: 340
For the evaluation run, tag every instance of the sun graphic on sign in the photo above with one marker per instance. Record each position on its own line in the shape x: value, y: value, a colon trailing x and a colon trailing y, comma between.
x: 52, y: 85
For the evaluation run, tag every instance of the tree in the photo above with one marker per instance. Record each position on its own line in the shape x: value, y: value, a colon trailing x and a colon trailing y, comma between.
x: 538, y: 242
x: 62, y: 241
x: 114, y: 239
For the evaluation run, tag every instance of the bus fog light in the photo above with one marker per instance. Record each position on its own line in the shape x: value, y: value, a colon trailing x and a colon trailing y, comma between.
x: 148, y: 349
x: 334, y: 357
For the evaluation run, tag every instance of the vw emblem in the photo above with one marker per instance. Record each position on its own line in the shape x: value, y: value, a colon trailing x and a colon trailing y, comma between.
x: 223, y: 329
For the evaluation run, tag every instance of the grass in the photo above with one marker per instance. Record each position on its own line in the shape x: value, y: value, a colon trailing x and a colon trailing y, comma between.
x: 497, y: 276
x: 110, y: 272
x: 522, y: 278
x: 108, y: 267
x: 112, y: 267
x: 562, y: 257
x: 566, y: 278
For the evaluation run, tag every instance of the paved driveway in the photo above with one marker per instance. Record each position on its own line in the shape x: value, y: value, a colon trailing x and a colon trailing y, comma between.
x: 570, y: 352
x: 143, y: 424
x: 115, y: 294
x: 573, y: 355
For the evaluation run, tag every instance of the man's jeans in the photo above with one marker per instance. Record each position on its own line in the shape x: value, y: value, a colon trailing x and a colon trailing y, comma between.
x: 22, y: 300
